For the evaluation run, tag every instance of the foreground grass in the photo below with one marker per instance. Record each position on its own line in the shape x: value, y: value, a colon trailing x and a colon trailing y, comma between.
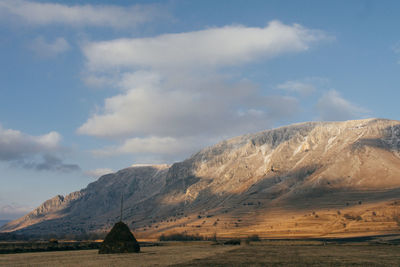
x: 304, y: 254
x: 266, y: 253
x: 170, y: 253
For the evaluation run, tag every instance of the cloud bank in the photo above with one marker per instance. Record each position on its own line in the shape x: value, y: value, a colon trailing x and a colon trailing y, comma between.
x: 175, y: 94
x: 25, y: 151
x: 215, y: 47
x: 42, y: 13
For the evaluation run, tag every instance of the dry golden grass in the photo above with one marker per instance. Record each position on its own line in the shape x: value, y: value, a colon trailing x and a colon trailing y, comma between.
x: 265, y: 253
x: 171, y: 253
x: 349, y: 218
x: 293, y: 253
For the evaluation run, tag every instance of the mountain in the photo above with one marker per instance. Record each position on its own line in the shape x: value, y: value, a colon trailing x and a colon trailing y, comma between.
x: 303, y: 180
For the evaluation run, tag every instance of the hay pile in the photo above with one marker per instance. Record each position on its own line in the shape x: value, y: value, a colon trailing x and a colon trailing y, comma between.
x: 119, y: 240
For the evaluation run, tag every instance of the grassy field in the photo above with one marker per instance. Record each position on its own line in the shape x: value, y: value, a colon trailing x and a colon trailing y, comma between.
x: 306, y: 254
x: 265, y: 253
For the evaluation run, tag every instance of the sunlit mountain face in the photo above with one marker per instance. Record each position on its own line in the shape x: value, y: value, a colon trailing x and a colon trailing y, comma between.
x: 307, y: 179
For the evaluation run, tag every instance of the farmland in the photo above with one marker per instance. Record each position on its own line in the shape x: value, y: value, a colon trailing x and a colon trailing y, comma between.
x: 205, y: 253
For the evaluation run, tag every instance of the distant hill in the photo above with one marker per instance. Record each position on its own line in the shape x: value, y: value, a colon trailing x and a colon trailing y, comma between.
x: 304, y: 180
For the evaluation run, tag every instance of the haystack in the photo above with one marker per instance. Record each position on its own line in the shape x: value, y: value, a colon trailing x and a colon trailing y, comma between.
x: 119, y: 240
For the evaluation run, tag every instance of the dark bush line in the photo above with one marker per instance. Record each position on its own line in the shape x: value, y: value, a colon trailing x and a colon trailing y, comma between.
x: 43, y: 247
x: 10, y: 248
x: 197, y: 237
x: 253, y: 238
x: 232, y: 242
x: 181, y: 237
x: 186, y: 237
x: 15, y: 236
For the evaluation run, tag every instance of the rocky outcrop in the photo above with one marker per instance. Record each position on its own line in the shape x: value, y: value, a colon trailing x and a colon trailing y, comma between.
x: 256, y: 182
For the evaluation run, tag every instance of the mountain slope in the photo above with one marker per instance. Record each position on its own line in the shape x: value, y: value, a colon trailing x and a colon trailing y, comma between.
x: 309, y: 179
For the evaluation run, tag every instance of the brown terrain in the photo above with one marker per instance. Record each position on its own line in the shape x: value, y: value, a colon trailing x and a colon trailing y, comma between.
x: 265, y: 253
x: 316, y: 179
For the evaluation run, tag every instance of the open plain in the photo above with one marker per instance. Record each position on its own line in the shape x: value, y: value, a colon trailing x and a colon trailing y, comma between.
x: 265, y: 253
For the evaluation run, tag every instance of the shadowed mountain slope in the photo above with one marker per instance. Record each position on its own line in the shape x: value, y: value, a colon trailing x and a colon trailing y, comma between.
x: 308, y: 179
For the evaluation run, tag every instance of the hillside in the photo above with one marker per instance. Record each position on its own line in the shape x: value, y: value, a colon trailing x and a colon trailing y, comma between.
x: 308, y: 179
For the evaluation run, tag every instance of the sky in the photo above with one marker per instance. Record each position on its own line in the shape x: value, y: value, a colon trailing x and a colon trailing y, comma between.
x: 91, y: 87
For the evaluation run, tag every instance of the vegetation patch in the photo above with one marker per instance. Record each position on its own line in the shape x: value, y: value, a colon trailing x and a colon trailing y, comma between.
x: 232, y: 242
x: 43, y: 246
x: 181, y: 237
x: 252, y: 238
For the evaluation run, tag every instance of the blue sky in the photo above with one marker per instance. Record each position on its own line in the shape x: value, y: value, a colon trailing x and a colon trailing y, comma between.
x: 89, y: 87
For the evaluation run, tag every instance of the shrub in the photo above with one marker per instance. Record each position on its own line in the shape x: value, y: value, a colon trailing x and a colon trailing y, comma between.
x: 349, y: 216
x: 232, y: 242
x: 253, y: 238
x: 180, y: 237
x: 352, y: 217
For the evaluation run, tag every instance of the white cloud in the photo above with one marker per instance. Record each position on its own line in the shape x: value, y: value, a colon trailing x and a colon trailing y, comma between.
x: 39, y: 13
x: 174, y: 96
x: 98, y: 172
x: 139, y: 79
x: 333, y: 107
x: 23, y: 150
x: 49, y: 49
x: 230, y: 45
x: 96, y: 81
x: 150, y: 145
x: 16, y: 145
x: 205, y: 107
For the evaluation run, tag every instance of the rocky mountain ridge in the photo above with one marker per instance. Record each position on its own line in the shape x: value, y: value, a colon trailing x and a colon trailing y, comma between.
x: 280, y: 182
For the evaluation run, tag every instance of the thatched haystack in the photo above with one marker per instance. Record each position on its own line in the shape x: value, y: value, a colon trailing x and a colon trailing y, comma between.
x: 119, y: 240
